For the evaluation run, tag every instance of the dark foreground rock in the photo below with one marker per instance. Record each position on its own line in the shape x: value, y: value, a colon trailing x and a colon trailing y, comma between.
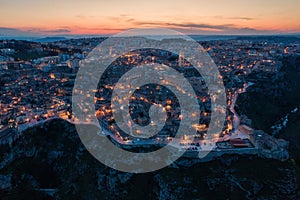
x: 49, y: 162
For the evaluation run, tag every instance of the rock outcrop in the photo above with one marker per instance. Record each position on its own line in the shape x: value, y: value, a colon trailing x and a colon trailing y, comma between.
x: 52, y: 158
x: 270, y: 147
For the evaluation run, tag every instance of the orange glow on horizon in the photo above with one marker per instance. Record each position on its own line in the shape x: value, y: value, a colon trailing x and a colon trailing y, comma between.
x: 193, y: 17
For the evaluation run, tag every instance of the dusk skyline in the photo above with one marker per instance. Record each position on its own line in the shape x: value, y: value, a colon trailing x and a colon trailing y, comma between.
x: 167, y: 100
x: 36, y: 18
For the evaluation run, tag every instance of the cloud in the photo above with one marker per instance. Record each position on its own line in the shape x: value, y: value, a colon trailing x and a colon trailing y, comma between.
x: 80, y: 16
x: 204, y: 28
x: 6, y: 32
x: 84, y: 16
x: 58, y: 31
x: 201, y: 26
x: 235, y: 18
x: 185, y: 25
x: 102, y: 29
x: 13, y: 32
x: 242, y: 18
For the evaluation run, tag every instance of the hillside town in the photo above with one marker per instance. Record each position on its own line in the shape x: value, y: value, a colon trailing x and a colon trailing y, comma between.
x: 37, y: 82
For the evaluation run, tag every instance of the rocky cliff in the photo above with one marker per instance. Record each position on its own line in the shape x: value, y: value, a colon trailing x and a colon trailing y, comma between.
x: 50, y: 162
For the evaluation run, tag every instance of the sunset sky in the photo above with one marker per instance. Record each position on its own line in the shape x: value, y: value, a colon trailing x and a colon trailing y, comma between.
x: 55, y: 17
